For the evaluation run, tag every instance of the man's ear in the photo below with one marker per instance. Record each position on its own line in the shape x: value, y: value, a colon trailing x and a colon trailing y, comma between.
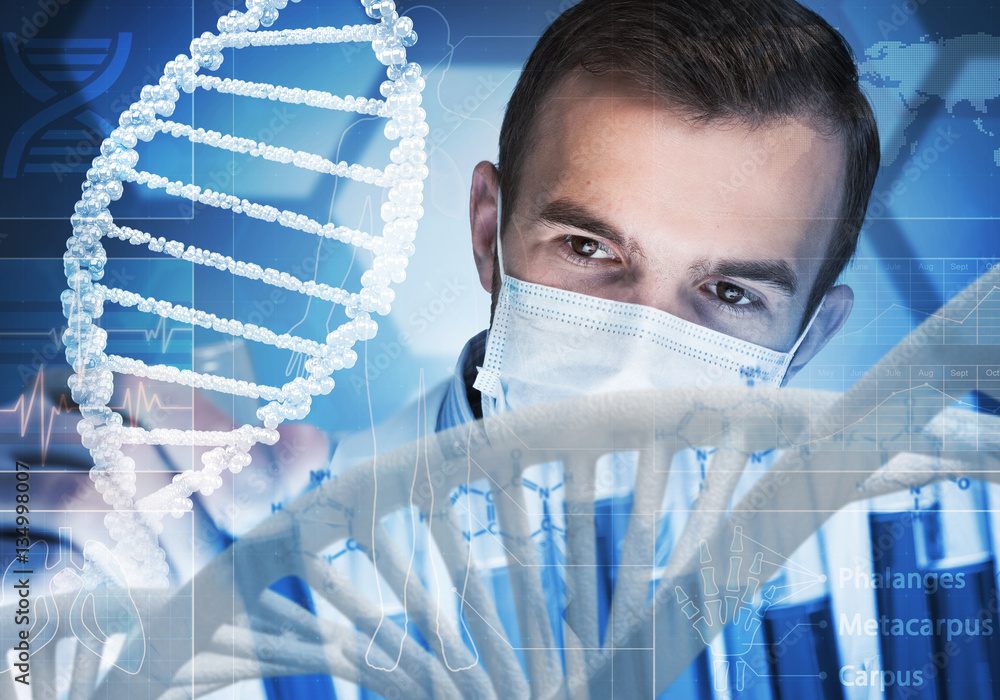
x: 483, y: 217
x: 836, y: 308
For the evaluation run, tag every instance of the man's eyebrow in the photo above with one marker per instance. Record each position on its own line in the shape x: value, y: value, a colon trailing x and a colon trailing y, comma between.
x: 565, y: 212
x: 776, y: 273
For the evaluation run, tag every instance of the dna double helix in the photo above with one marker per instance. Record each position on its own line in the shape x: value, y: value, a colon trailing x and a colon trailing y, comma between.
x: 229, y: 624
x: 137, y: 517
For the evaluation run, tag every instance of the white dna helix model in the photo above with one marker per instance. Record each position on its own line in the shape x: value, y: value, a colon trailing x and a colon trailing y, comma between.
x: 136, y: 521
x: 227, y: 625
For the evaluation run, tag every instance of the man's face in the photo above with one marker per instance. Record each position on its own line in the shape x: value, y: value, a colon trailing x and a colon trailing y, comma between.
x: 721, y: 225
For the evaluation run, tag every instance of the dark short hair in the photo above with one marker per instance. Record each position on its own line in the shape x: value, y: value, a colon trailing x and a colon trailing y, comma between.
x: 751, y: 62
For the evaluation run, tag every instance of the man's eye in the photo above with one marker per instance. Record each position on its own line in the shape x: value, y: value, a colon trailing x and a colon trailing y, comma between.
x: 731, y: 294
x: 589, y: 248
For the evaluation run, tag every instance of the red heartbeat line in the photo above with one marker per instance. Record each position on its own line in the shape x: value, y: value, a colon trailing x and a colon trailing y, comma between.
x: 144, y: 401
x: 46, y: 421
x: 24, y: 407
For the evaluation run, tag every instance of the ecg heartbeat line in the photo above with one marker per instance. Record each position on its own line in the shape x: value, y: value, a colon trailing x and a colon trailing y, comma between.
x: 143, y: 403
x: 159, y: 331
x: 38, y: 410
x: 48, y: 412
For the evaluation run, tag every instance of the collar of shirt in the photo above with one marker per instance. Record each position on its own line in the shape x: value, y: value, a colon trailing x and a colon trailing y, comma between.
x: 462, y: 403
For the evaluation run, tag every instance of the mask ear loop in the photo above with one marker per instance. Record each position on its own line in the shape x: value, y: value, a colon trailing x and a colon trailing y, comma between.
x: 802, y: 336
x: 499, y: 228
x: 487, y: 380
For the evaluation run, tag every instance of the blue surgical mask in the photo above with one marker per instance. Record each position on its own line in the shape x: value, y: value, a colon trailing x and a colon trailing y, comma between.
x: 547, y: 344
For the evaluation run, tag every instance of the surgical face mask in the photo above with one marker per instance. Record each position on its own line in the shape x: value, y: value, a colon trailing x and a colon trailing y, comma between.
x: 547, y: 344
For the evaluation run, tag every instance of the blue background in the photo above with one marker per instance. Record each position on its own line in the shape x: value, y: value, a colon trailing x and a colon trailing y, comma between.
x: 927, y: 67
x: 931, y: 68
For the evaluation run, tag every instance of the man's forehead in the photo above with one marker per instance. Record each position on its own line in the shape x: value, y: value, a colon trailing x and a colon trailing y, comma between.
x: 580, y: 83
x: 595, y: 130
x: 580, y: 96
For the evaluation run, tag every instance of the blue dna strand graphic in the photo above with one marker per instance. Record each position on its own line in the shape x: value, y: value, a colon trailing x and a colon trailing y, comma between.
x: 136, y: 521
x: 43, y: 68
